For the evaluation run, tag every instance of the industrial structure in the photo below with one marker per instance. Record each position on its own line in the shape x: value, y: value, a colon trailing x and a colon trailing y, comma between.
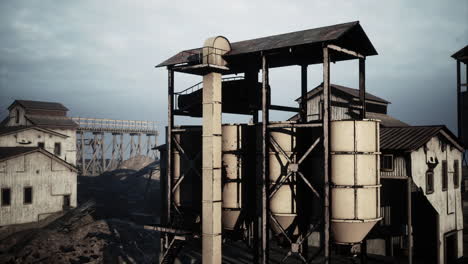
x: 37, y: 162
x: 97, y: 152
x: 293, y: 170
x: 311, y: 186
x: 421, y: 162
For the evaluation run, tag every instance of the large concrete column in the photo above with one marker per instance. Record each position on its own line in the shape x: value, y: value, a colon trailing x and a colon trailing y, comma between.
x: 212, y: 196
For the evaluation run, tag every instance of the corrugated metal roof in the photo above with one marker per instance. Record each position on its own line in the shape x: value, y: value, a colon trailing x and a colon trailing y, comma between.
x: 349, y: 91
x: 39, y: 105
x: 358, y: 41
x: 52, y: 122
x: 386, y: 120
x: 411, y: 137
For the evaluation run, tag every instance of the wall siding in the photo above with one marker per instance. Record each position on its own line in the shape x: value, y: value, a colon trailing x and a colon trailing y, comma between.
x: 48, y: 188
x: 399, y: 168
x: 439, y: 199
x: 68, y: 145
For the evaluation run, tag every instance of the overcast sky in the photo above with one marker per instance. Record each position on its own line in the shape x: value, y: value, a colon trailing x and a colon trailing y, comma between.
x: 98, y: 57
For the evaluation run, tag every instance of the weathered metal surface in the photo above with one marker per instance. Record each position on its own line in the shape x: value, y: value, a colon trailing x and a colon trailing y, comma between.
x: 115, y: 126
x: 464, y: 117
x: 211, y: 168
x: 326, y: 154
x: 265, y: 247
x: 355, y: 177
x: 411, y: 138
x: 362, y: 86
x: 339, y: 89
x: 312, y: 38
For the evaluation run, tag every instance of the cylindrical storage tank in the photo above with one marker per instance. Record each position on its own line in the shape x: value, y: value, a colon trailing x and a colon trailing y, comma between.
x: 232, y: 147
x: 283, y: 202
x: 355, y: 179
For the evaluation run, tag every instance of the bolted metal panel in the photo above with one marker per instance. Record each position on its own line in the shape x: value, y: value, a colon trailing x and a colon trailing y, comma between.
x: 211, y: 169
x: 355, y: 176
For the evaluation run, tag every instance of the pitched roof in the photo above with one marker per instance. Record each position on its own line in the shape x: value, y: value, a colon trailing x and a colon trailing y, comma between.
x: 386, y: 120
x: 461, y: 55
x: 346, y: 90
x: 39, y: 105
x: 348, y: 35
x: 52, y: 121
x: 413, y: 137
x: 7, y: 153
x: 6, y: 130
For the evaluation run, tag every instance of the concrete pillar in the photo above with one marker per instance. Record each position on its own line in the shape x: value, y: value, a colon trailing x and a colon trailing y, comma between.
x: 211, y: 182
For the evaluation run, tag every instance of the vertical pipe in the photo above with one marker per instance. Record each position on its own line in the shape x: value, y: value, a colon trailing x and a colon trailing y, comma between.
x: 211, y: 168
x: 170, y: 124
x: 326, y: 154
x: 132, y: 144
x: 362, y: 86
x: 139, y: 144
x: 103, y: 153
x: 148, y: 144
x: 303, y: 111
x: 95, y: 139
x: 114, y: 148
x: 83, y: 158
x: 121, y: 147
x: 410, y: 225
x: 264, y: 257
x: 459, y: 110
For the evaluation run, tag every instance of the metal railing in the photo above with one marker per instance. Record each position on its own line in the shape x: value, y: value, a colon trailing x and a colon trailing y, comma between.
x: 206, y: 55
x: 113, y: 125
x: 196, y: 87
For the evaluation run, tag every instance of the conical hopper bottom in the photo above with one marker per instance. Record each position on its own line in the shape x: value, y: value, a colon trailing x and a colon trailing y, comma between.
x: 351, y: 232
x: 230, y: 218
x: 285, y: 220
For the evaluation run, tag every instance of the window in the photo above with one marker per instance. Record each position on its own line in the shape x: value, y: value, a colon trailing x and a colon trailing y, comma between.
x: 6, y: 196
x: 57, y: 149
x: 429, y: 182
x: 456, y: 174
x: 41, y: 145
x: 386, y: 163
x: 66, y: 202
x: 17, y: 116
x: 28, y: 195
x: 444, y: 175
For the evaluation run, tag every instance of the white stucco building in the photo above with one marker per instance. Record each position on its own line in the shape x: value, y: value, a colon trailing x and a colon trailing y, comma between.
x: 37, y: 162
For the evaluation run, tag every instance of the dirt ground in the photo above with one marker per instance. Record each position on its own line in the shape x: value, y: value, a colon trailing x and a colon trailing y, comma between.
x: 106, y: 227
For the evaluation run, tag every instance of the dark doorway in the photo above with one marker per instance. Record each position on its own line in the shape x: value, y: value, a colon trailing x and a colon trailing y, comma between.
x: 66, y: 202
x: 424, y: 229
x: 450, y: 248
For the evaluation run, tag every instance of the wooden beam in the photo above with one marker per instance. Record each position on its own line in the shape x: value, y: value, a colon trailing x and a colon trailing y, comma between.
x: 264, y: 256
x: 303, y: 93
x: 284, y: 108
x: 362, y: 86
x: 326, y: 153
x: 343, y: 50
x: 459, y: 109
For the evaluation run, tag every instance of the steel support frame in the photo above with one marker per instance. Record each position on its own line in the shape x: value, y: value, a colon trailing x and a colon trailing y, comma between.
x: 263, y: 177
x: 292, y: 167
x: 326, y: 155
x: 326, y: 134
